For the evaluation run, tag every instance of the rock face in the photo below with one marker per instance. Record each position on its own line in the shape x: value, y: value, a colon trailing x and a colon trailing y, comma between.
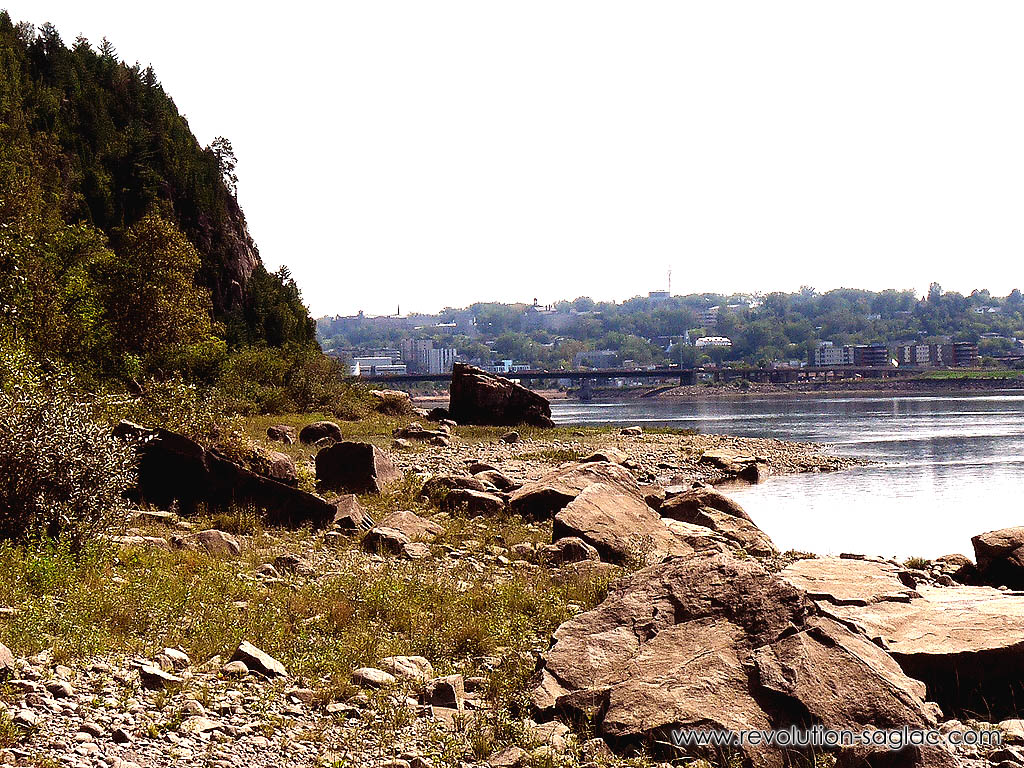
x: 622, y: 528
x: 1000, y: 556
x: 542, y: 498
x: 965, y: 643
x: 721, y: 643
x: 174, y: 468
x: 355, y: 468
x: 478, y: 397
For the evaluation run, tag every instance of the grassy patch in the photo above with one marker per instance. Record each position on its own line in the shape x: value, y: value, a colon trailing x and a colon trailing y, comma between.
x: 104, y: 600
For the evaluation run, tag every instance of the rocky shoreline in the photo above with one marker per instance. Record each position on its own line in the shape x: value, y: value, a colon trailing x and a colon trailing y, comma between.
x: 516, y: 599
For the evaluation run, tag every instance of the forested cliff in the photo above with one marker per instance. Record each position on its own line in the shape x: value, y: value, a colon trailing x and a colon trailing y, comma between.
x: 123, y: 250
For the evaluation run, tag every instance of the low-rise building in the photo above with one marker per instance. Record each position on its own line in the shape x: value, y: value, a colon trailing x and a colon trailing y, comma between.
x: 713, y: 341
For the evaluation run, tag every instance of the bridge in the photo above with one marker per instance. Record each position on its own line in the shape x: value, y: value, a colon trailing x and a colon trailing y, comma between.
x: 684, y: 375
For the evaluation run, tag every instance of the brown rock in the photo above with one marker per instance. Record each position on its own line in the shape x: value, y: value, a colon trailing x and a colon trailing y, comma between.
x: 449, y: 692
x: 381, y: 540
x: 319, y: 430
x: 690, y: 501
x: 258, y: 661
x: 610, y: 455
x: 438, y: 485
x: 621, y: 527
x: 675, y: 644
x: 499, y: 480
x: 738, y: 530
x: 174, y: 468
x: 213, y: 541
x: 840, y: 581
x: 412, y: 525
x: 407, y: 667
x: 569, y: 549
x: 966, y: 643
x: 282, y: 433
x: 355, y: 468
x: 478, y: 397
x: 349, y: 514
x: 474, y: 502
x: 542, y: 498
x: 1000, y: 556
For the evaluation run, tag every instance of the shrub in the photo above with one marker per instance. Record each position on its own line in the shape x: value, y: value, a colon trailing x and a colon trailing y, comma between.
x: 61, y: 473
x: 175, y: 405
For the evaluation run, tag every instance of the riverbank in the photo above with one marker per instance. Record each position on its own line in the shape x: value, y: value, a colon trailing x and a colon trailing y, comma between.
x: 740, y: 389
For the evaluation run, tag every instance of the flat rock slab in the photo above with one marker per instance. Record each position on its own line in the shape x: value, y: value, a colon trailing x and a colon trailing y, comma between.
x: 719, y: 642
x: 542, y: 498
x: 840, y: 581
x: 965, y: 643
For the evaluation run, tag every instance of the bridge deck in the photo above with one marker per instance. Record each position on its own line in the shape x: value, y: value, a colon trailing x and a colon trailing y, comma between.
x: 666, y: 373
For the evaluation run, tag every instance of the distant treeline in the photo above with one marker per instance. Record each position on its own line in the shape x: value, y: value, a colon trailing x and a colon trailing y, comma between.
x: 763, y: 328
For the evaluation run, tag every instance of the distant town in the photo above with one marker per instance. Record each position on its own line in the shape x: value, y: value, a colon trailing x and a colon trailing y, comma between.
x: 845, y: 327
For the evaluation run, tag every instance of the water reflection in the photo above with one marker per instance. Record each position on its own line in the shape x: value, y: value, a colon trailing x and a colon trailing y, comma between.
x: 952, y: 466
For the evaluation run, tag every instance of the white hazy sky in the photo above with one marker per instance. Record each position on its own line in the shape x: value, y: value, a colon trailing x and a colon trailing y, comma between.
x: 432, y: 153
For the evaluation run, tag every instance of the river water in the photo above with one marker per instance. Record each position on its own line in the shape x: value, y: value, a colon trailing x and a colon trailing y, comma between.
x: 949, y: 467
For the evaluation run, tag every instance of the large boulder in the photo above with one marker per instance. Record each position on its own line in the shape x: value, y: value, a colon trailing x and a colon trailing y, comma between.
x: 542, y: 498
x: 622, y: 528
x: 720, y: 643
x: 319, y: 430
x: 473, y: 502
x: 174, y: 468
x: 478, y: 397
x: 1000, y: 556
x: 739, y: 530
x: 965, y: 643
x: 694, y: 499
x: 355, y: 468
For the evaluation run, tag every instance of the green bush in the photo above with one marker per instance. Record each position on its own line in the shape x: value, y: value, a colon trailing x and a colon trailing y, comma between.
x: 61, y: 473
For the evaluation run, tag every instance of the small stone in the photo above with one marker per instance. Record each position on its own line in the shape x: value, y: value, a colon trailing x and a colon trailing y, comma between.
x: 368, y: 677
x: 154, y: 678
x: 510, y: 437
x: 60, y: 689
x: 258, y: 661
x: 235, y: 669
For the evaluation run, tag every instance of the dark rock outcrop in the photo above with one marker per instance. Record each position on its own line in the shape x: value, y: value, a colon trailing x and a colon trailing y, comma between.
x: 720, y: 643
x: 173, y: 468
x: 1000, y: 556
x: 355, y: 468
x: 318, y: 430
x: 478, y: 397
